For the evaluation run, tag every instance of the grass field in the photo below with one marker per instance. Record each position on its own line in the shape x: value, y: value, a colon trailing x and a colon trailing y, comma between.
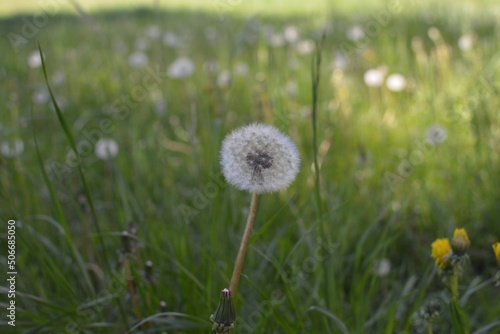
x: 143, y: 242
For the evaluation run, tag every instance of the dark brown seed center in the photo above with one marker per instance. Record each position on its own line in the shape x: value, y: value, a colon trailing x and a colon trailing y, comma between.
x: 259, y: 160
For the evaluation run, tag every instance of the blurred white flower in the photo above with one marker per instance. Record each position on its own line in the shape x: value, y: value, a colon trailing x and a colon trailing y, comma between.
x: 291, y: 88
x: 291, y: 34
x: 382, y: 267
x: 181, y: 68
x: 374, y: 77
x: 435, y: 134
x: 160, y: 106
x: 433, y: 33
x: 40, y: 96
x: 305, y: 47
x: 396, y: 82
x: 138, y: 60
x: 465, y: 42
x: 224, y: 79
x: 259, y: 158
x: 171, y: 39
x: 12, y: 149
x: 106, y: 148
x: 34, y: 59
x: 339, y: 62
x: 276, y: 40
x: 241, y: 68
x: 141, y: 44
x: 355, y: 33
x: 58, y: 78
x: 210, y: 33
x: 153, y: 32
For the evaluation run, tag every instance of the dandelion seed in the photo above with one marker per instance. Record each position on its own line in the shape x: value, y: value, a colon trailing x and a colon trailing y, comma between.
x: 374, y: 77
x: 106, y: 148
x: 442, y: 252
x: 12, y: 149
x: 138, y: 60
x: 34, y: 60
x: 259, y: 158
x: 396, y: 82
x: 181, y: 68
x: 465, y: 42
x: 435, y: 134
x: 355, y: 33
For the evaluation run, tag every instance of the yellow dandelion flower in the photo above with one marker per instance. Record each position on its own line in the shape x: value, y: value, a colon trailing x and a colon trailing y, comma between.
x: 460, y: 241
x: 441, y: 251
x: 496, y: 249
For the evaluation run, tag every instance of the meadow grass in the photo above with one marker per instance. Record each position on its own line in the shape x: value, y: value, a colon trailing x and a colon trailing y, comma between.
x: 383, y: 192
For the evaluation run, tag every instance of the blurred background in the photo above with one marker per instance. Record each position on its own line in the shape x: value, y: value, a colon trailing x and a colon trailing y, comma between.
x: 124, y: 222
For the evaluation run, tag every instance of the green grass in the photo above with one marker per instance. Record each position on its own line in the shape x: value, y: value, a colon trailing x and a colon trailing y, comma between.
x: 165, y: 179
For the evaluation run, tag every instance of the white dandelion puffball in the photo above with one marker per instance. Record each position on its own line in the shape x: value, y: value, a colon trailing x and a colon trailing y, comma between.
x: 106, y: 148
x: 465, y: 42
x: 436, y: 134
x: 12, y: 149
x: 138, y: 60
x: 374, y: 77
x: 181, y: 68
x: 34, y: 59
x: 259, y: 158
x: 396, y: 82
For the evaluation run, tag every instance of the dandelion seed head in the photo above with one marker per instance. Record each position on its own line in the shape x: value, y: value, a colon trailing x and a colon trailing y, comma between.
x: 355, y: 33
x: 436, y: 134
x: 138, y: 60
x: 12, y: 149
x: 171, y: 39
x: 465, y: 42
x: 181, y: 68
x: 291, y: 34
x: 34, y: 60
x: 224, y: 79
x: 382, y: 267
x: 106, y: 148
x: 259, y: 158
x: 374, y: 77
x: 396, y: 82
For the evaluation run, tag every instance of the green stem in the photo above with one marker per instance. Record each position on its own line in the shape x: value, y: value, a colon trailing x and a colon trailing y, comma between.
x: 454, y: 284
x: 240, y: 258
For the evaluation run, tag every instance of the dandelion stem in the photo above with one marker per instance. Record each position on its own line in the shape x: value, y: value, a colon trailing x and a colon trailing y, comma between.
x: 238, y: 265
x: 454, y: 283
